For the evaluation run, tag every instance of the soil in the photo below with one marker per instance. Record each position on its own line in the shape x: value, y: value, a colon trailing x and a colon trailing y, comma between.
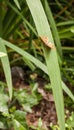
x: 45, y: 110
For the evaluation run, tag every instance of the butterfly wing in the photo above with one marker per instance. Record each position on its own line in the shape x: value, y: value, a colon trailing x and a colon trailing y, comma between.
x: 45, y: 40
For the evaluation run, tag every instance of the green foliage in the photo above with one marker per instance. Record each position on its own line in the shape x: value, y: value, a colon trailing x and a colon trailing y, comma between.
x: 10, y: 116
x: 27, y: 101
x: 20, y: 27
x: 70, y: 121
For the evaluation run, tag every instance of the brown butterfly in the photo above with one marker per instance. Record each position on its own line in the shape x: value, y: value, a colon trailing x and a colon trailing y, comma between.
x: 45, y: 40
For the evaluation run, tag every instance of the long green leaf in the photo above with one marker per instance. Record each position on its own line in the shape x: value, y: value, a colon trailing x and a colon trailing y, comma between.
x: 43, y: 29
x: 54, y: 28
x: 65, y: 88
x: 6, y: 67
x: 25, y: 55
x: 17, y: 4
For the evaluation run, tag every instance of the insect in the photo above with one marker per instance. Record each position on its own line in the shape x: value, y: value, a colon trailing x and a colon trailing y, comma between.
x: 45, y: 40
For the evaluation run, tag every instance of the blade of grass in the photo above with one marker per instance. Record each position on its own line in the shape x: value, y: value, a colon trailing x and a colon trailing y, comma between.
x: 25, y: 55
x: 66, y: 23
x: 43, y: 29
x: 7, y: 22
x: 65, y: 88
x: 6, y: 67
x: 54, y: 28
x: 1, y: 21
x: 22, y: 17
x: 17, y: 4
x: 29, y: 64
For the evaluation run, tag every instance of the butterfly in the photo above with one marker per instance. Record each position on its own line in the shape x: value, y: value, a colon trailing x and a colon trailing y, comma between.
x: 45, y: 40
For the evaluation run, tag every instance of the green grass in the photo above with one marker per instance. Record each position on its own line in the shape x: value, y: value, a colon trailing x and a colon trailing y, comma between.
x: 37, y: 20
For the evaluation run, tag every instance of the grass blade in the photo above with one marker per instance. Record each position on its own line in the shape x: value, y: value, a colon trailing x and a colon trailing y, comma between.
x: 53, y: 26
x: 6, y: 67
x: 43, y: 29
x: 17, y: 4
x: 23, y: 18
x: 25, y: 55
x: 67, y: 91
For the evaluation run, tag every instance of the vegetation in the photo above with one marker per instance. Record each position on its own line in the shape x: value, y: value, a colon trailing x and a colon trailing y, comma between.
x: 38, y: 36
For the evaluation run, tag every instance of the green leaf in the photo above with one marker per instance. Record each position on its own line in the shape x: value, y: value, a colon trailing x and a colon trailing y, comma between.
x: 70, y: 121
x: 17, y: 4
x: 19, y: 115
x: 29, y: 64
x: 18, y: 126
x: 25, y: 55
x: 2, y: 125
x: 72, y: 29
x: 27, y: 108
x: 39, y: 123
x: 53, y: 27
x: 43, y: 29
x: 3, y: 103
x: 6, y: 67
x: 67, y: 91
x: 27, y: 101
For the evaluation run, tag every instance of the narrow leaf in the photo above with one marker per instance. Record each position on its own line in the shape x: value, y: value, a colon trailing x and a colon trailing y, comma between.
x: 43, y: 29
x: 54, y: 28
x: 25, y: 55
x: 17, y: 4
x: 6, y: 67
